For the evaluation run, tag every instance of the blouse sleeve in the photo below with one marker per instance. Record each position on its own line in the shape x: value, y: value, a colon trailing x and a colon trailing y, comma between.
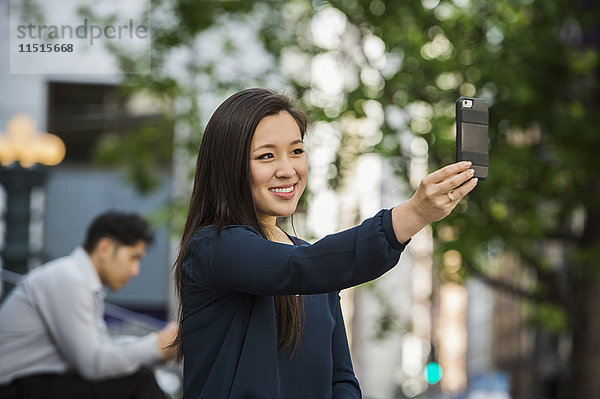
x: 239, y: 259
x: 345, y: 385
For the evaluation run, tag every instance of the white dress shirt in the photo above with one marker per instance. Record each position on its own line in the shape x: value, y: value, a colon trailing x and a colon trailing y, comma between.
x: 52, y: 322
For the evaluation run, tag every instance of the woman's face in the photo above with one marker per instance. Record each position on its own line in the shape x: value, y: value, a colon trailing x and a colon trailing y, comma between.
x: 278, y: 167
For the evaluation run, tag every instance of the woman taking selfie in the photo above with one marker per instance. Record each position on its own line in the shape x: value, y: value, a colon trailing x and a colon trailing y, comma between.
x: 260, y: 314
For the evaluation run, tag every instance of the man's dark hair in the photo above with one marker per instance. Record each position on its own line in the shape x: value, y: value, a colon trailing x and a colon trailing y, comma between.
x: 124, y: 228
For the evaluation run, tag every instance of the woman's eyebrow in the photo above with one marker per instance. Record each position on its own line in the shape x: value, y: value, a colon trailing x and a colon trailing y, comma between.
x: 260, y: 147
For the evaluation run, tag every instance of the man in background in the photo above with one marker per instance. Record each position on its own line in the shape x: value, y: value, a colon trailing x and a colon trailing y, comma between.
x: 53, y: 339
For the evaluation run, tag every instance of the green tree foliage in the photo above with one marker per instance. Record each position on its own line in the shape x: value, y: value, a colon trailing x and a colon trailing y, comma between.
x: 537, y: 65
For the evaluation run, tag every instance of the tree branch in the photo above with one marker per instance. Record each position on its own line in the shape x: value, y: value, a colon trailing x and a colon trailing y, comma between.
x: 550, y: 279
x: 505, y: 285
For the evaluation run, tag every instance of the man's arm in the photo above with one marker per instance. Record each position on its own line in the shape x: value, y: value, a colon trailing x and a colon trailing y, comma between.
x: 73, y: 318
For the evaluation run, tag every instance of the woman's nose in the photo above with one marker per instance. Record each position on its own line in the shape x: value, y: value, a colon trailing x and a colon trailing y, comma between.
x: 285, y: 168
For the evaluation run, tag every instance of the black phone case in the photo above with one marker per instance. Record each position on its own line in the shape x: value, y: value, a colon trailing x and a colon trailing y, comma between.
x: 472, y: 134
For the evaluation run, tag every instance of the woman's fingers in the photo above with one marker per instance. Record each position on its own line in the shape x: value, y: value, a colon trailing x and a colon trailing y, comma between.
x: 463, y: 190
x: 454, y: 181
x: 442, y: 174
x: 440, y: 192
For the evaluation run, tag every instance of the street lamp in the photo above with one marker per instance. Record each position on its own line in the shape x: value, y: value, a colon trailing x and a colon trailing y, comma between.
x: 22, y: 149
x: 22, y: 143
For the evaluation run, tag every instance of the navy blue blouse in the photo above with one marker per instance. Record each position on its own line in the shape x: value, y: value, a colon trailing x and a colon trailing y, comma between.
x: 229, y: 326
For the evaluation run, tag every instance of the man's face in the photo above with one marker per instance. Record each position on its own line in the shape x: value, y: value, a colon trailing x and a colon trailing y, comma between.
x: 118, y: 264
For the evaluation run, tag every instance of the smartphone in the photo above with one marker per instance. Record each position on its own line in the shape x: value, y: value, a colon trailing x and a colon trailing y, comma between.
x: 472, y: 134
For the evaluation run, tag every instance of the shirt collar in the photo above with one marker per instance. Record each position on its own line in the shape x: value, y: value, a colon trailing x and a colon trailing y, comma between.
x: 84, y: 262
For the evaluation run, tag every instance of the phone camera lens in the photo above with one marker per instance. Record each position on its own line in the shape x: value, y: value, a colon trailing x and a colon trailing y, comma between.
x: 467, y: 103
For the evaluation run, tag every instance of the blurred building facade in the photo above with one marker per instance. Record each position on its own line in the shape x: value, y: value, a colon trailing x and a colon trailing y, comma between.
x: 80, y: 109
x: 509, y: 352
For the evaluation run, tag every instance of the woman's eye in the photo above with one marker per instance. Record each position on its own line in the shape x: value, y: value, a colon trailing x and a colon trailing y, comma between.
x: 298, y: 151
x: 266, y: 156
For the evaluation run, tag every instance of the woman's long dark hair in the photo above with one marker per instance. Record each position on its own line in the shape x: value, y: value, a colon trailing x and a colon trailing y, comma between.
x: 222, y: 193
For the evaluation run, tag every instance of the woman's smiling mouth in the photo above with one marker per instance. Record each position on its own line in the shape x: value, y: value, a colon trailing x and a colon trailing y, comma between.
x: 284, y: 192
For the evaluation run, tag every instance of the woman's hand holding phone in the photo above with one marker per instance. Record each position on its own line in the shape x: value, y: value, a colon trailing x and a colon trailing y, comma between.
x: 437, y: 195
